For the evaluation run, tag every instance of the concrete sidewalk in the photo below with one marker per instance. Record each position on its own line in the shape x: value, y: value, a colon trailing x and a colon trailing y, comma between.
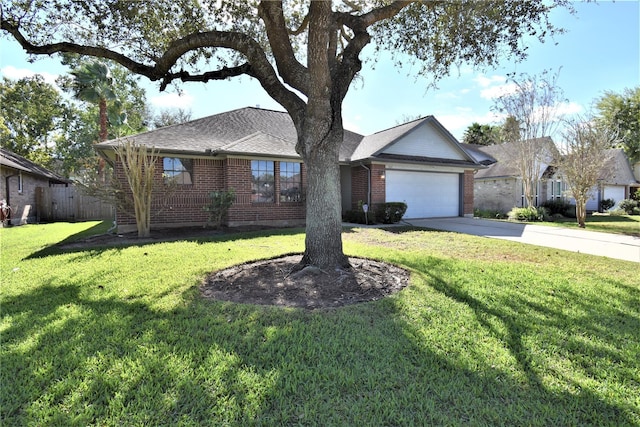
x: 589, y: 242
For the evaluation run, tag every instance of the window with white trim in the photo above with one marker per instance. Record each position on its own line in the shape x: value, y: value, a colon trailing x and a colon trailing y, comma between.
x: 177, y: 170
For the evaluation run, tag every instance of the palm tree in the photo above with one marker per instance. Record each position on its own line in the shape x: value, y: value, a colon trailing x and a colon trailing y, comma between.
x: 94, y: 84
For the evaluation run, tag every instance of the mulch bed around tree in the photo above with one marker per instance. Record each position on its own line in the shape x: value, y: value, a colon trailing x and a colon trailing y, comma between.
x: 274, y: 282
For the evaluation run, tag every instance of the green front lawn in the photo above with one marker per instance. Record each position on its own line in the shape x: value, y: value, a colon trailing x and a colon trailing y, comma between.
x: 619, y: 224
x: 489, y: 332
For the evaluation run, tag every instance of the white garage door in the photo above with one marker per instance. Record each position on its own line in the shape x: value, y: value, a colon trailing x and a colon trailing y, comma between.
x: 614, y: 192
x: 427, y: 194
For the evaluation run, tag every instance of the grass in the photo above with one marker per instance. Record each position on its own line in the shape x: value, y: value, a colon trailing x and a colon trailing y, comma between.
x: 488, y: 333
x: 619, y: 224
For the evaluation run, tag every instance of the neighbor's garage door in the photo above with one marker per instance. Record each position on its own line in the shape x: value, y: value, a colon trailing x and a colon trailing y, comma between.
x: 427, y: 194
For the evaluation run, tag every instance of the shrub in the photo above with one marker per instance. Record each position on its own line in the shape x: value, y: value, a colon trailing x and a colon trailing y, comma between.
x: 358, y: 217
x: 558, y: 206
x: 391, y: 212
x: 630, y: 206
x: 528, y: 214
x: 489, y: 213
x: 218, y: 207
x: 606, y: 204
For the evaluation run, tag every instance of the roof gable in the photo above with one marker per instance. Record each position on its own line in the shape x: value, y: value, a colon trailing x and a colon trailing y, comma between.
x: 424, y: 138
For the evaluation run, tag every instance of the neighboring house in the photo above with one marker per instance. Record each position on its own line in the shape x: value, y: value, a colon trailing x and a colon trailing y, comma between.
x: 20, y: 180
x: 252, y: 151
x: 616, y: 181
x: 499, y: 186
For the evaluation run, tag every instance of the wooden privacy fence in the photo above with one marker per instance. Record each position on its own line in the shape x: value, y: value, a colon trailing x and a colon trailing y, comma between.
x: 70, y: 204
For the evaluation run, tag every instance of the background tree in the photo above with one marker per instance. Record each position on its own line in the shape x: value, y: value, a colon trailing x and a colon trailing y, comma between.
x: 170, y: 117
x: 304, y: 54
x: 585, y: 145
x: 510, y: 130
x: 32, y: 114
x: 620, y: 114
x: 535, y: 106
x: 481, y: 134
x: 126, y: 114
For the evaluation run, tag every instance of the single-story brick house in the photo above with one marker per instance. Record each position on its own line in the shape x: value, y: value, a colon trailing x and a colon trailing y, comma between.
x: 252, y: 151
x: 20, y: 179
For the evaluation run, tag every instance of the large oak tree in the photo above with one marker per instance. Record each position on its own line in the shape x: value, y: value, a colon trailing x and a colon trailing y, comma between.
x: 305, y: 54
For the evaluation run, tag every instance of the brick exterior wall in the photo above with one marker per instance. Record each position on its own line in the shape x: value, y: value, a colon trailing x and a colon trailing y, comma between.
x: 185, y: 206
x: 360, y: 185
x: 23, y: 204
x: 500, y: 194
x: 468, y: 193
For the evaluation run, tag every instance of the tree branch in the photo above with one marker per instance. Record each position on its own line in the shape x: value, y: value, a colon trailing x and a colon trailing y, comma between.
x: 292, y: 72
x: 221, y: 74
x: 257, y: 66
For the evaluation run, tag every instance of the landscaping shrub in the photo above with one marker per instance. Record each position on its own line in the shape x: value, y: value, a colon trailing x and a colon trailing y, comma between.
x: 606, y: 204
x: 391, y: 212
x: 630, y: 206
x: 559, y: 206
x: 489, y: 213
x: 218, y: 207
x: 358, y: 217
x: 528, y: 214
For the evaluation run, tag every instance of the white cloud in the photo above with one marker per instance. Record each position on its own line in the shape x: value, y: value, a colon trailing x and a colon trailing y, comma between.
x: 569, y: 108
x: 462, y: 118
x: 494, y: 92
x: 14, y: 73
x: 485, y: 81
x: 173, y: 100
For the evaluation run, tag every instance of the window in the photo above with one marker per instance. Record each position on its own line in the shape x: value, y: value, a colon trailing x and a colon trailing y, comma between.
x: 290, y: 182
x: 556, y: 190
x: 262, y: 181
x: 177, y: 170
x: 20, y: 183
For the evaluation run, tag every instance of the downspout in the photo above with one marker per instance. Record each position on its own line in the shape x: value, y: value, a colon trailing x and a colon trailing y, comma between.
x: 368, y: 184
x: 6, y: 186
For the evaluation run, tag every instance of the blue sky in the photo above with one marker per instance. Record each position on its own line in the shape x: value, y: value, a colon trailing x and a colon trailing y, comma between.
x: 600, y: 52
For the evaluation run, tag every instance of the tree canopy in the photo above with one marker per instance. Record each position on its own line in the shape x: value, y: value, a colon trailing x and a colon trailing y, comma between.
x: 620, y: 114
x: 481, y: 134
x: 33, y: 113
x: 305, y: 54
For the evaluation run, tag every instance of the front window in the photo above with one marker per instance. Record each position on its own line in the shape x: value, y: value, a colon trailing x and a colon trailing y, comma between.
x: 262, y: 181
x: 20, y: 183
x: 177, y: 170
x: 556, y: 191
x: 290, y: 182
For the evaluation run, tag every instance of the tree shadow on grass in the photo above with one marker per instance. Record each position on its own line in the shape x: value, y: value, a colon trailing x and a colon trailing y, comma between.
x: 96, y: 244
x: 73, y: 355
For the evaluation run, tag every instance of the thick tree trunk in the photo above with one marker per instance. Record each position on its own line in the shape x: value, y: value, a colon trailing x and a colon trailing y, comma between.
x: 323, y: 242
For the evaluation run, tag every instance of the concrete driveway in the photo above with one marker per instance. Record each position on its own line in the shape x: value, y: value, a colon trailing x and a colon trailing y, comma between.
x: 588, y: 242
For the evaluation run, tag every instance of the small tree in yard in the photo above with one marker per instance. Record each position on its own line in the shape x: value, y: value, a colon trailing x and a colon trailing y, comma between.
x: 139, y: 166
x: 585, y: 146
x: 534, y: 105
x: 304, y: 54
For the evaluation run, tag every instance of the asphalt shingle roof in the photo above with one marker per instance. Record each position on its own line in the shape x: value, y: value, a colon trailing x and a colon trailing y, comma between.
x: 243, y: 131
x: 15, y: 161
